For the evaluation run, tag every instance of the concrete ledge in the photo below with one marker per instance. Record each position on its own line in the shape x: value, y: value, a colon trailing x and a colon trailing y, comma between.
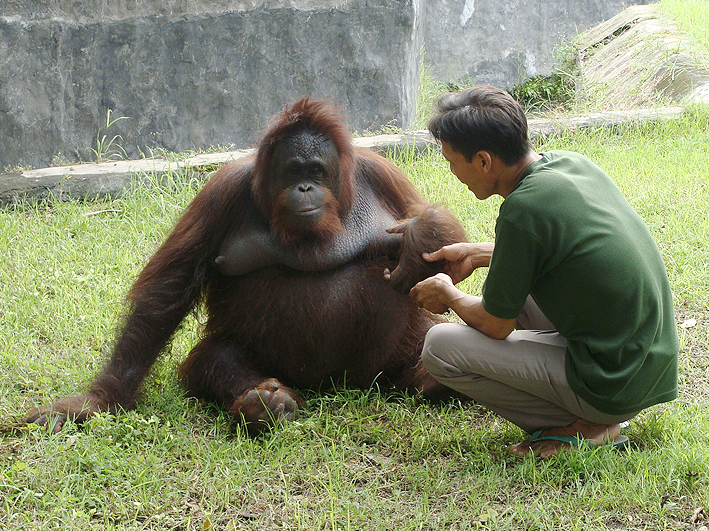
x: 607, y: 120
x: 91, y: 181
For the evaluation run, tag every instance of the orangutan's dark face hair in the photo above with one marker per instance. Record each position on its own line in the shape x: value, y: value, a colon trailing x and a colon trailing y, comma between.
x: 305, y: 184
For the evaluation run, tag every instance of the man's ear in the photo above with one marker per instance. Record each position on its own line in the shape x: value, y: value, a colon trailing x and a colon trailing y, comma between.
x: 485, y: 160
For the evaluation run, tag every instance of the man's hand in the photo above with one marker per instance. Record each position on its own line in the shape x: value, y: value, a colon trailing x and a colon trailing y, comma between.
x: 462, y: 258
x: 435, y: 293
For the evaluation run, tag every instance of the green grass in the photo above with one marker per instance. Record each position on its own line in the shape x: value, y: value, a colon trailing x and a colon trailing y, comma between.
x: 359, y: 459
x: 691, y: 17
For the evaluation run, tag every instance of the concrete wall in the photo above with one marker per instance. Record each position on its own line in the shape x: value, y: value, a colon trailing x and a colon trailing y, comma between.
x: 194, y: 74
x: 190, y: 74
x: 505, y: 42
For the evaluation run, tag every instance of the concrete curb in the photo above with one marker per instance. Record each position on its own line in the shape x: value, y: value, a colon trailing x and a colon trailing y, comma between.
x: 99, y: 180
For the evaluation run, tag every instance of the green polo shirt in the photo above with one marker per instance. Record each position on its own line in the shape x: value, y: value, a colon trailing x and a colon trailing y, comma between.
x: 568, y: 236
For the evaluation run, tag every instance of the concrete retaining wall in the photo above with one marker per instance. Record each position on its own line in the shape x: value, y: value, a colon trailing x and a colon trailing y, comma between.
x: 189, y: 74
x: 505, y: 42
x: 188, y: 79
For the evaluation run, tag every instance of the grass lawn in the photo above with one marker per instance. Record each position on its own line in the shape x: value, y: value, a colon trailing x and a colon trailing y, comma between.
x: 360, y: 459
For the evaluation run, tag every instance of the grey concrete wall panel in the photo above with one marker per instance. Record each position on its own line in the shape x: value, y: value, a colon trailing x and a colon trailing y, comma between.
x: 504, y: 42
x: 190, y: 74
x: 188, y: 77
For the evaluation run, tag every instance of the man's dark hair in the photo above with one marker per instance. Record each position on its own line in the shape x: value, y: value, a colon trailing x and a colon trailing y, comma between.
x: 482, y: 118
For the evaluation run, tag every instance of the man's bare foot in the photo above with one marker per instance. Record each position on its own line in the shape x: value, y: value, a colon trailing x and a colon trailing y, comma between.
x: 581, y: 429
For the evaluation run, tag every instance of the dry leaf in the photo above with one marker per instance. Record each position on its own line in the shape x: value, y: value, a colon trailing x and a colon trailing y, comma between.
x: 697, y: 515
x: 192, y: 506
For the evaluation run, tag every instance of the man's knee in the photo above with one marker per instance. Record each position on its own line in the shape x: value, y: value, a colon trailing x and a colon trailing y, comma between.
x: 435, y: 347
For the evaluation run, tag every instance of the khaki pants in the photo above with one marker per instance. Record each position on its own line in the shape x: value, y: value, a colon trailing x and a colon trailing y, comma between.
x: 521, y: 378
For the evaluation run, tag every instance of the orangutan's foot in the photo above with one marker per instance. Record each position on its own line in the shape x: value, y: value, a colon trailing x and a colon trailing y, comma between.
x: 77, y: 408
x: 266, y: 405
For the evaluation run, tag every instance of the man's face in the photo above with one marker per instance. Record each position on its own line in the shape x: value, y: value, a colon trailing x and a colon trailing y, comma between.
x: 474, y: 174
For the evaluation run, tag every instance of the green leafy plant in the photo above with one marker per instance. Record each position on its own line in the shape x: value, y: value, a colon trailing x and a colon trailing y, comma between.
x: 109, y: 149
x: 545, y: 92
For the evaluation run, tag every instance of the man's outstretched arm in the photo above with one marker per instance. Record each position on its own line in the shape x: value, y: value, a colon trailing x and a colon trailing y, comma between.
x: 438, y: 293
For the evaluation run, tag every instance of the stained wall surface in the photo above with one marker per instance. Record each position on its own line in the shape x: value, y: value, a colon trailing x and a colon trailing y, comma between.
x: 190, y: 74
x: 505, y: 42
